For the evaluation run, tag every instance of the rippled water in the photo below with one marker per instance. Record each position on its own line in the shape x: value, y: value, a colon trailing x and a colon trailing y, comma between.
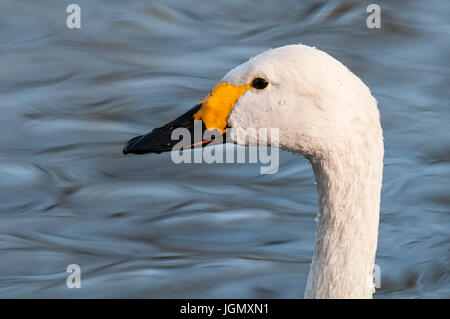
x: 145, y: 227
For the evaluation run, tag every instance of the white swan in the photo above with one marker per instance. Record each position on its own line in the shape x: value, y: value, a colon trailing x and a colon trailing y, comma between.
x: 326, y: 113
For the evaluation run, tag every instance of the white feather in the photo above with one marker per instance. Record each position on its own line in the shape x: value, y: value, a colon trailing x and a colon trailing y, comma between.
x: 326, y: 113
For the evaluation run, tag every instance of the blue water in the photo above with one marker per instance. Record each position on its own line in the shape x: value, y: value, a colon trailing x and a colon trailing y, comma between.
x: 142, y: 226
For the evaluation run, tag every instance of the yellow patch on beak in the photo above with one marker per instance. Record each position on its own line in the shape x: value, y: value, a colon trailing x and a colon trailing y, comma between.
x: 218, y: 104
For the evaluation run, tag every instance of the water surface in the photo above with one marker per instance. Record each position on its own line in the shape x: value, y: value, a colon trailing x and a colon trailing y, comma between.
x: 145, y: 227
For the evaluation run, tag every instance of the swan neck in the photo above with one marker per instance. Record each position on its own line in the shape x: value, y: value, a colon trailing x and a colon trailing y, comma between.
x: 347, y: 226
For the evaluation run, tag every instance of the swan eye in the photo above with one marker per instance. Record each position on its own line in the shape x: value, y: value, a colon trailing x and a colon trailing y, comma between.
x: 260, y: 83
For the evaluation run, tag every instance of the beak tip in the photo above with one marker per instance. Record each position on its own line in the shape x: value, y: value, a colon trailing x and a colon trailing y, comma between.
x: 124, y: 150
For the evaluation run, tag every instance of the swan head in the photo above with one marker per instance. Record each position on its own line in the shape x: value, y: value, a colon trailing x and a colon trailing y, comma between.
x: 321, y: 110
x: 317, y: 104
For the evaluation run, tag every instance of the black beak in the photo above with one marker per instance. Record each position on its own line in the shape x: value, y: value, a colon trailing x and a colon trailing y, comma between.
x: 160, y: 139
